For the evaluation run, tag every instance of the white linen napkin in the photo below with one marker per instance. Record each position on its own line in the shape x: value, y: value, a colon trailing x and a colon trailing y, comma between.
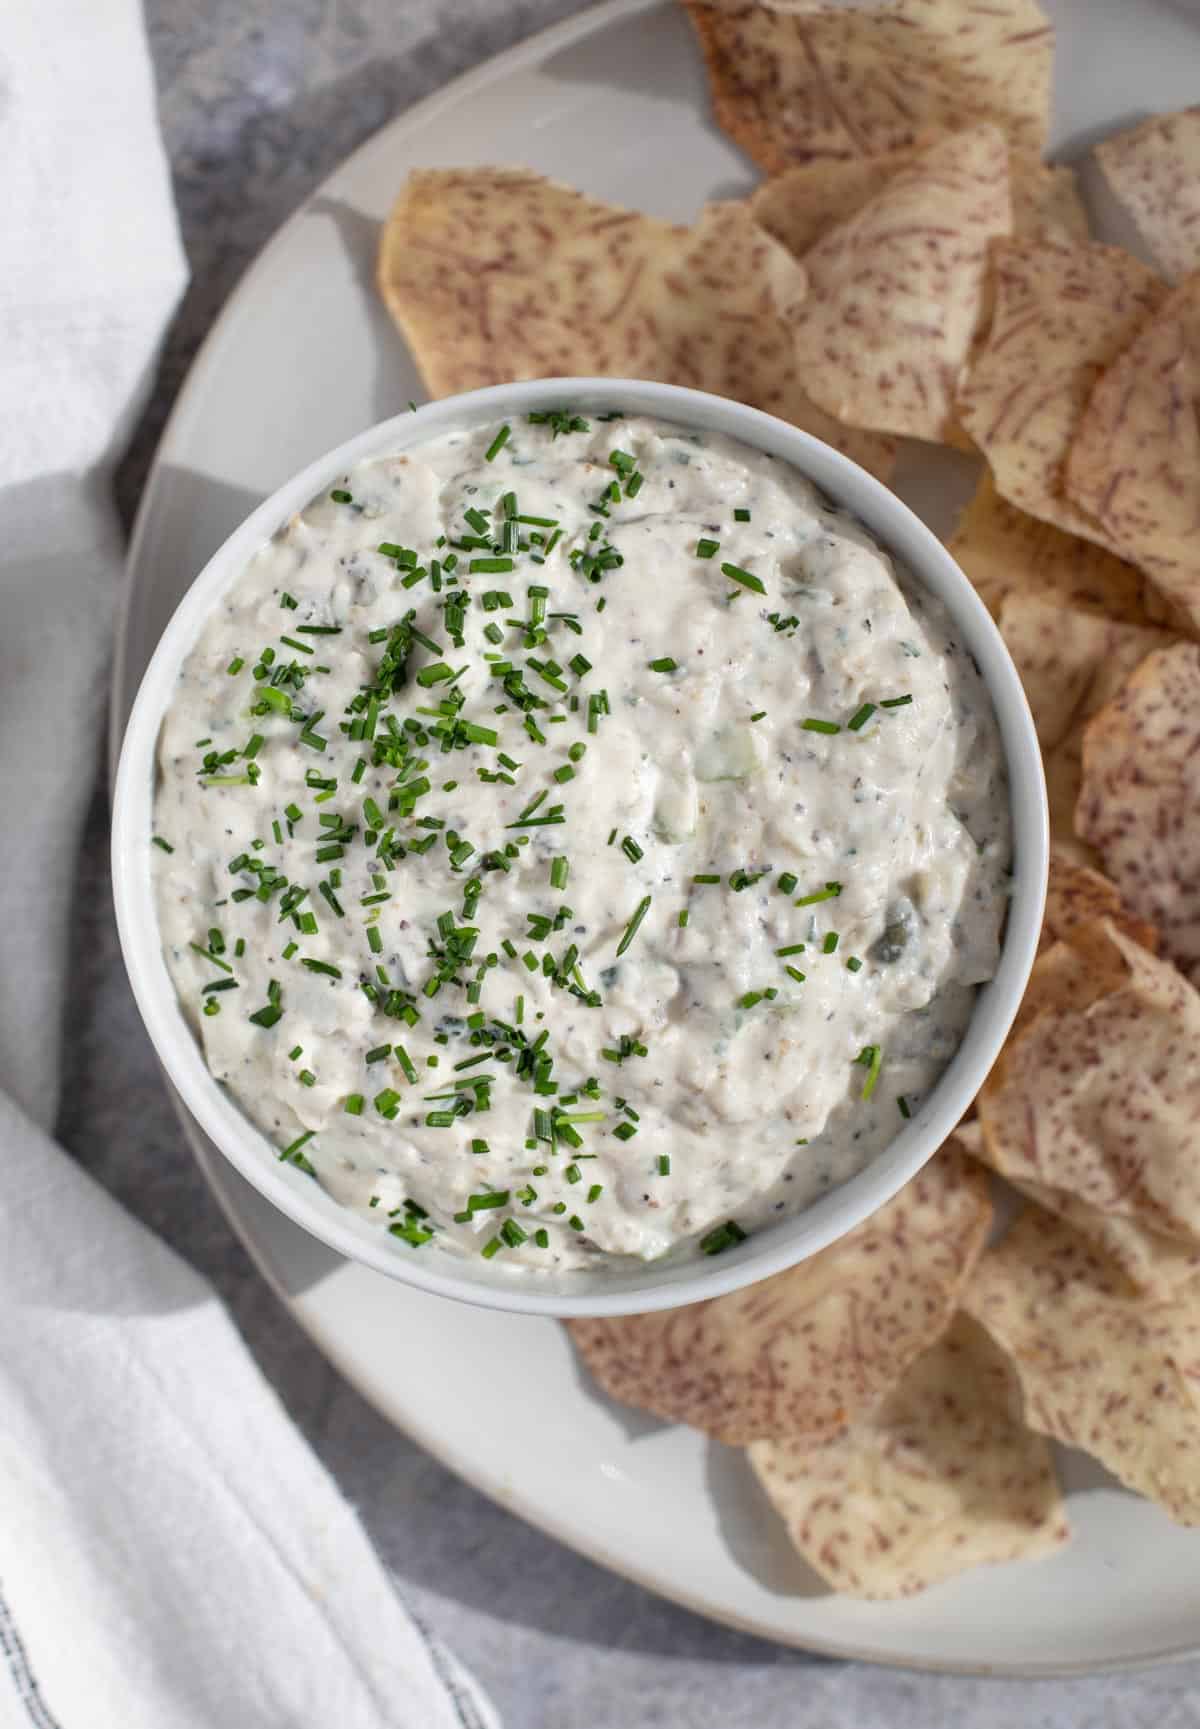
x: 172, y: 1556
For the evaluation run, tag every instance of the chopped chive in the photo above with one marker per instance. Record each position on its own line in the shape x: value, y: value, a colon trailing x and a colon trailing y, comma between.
x: 158, y: 841
x: 664, y: 1164
x: 795, y: 973
x: 497, y: 445
x: 853, y: 964
x: 723, y: 1237
x: 895, y: 701
x: 353, y: 1104
x: 706, y: 548
x: 482, y: 1203
x: 664, y: 664
x: 904, y: 1107
x: 741, y: 515
x: 831, y: 942
x: 871, y: 1058
x: 559, y: 871
x: 828, y: 893
x: 683, y: 918
x: 813, y: 725
x: 707, y: 877
x: 631, y: 849
x: 735, y: 573
x: 860, y: 717
x: 631, y: 929
x: 790, y: 949
x: 291, y: 1154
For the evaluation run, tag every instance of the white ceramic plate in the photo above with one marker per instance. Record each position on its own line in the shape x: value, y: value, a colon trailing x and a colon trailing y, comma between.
x: 614, y: 102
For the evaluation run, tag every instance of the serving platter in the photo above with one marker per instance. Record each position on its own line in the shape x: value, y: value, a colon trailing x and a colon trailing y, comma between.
x: 614, y: 102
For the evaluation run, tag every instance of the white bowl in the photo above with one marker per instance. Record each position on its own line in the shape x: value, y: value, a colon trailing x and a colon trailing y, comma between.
x: 602, y: 1291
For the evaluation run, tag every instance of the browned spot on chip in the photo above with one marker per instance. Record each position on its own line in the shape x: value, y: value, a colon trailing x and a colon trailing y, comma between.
x: 1139, y: 797
x: 1102, y: 1366
x: 1097, y: 1096
x: 1077, y: 895
x: 941, y: 1477
x: 1071, y: 663
x: 801, y: 1354
x: 1061, y: 315
x: 897, y: 291
x: 815, y: 80
x: 1154, y: 169
x: 495, y: 274
x: 1005, y: 551
x: 1135, y: 461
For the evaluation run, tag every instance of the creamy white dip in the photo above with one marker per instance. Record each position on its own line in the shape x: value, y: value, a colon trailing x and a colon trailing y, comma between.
x: 585, y: 842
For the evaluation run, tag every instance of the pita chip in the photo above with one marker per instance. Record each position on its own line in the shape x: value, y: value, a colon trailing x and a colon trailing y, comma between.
x: 1077, y: 896
x: 1101, y: 1365
x: 801, y: 1354
x: 498, y: 273
x: 1139, y: 796
x: 1154, y: 169
x: 1071, y: 663
x: 1006, y: 551
x: 1134, y: 464
x: 1097, y: 1095
x: 812, y: 80
x: 897, y: 292
x: 799, y: 205
x: 941, y: 1477
x: 1061, y: 315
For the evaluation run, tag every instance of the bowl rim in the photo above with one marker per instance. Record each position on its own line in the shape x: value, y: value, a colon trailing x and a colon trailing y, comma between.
x: 660, y: 1285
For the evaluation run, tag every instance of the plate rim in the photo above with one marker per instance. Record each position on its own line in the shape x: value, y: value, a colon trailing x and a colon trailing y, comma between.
x: 590, y: 20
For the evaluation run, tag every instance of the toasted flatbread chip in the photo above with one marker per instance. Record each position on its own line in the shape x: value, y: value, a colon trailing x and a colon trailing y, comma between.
x: 798, y: 206
x: 897, y: 292
x: 1006, y: 551
x: 941, y: 1477
x: 1154, y: 169
x: 1071, y: 663
x: 1134, y: 464
x: 1150, y: 1261
x: 495, y: 274
x: 1139, y: 796
x: 1102, y: 1365
x: 1077, y: 895
x: 811, y: 80
x: 803, y: 1353
x: 1046, y: 202
x: 1061, y: 315
x: 1097, y: 1096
